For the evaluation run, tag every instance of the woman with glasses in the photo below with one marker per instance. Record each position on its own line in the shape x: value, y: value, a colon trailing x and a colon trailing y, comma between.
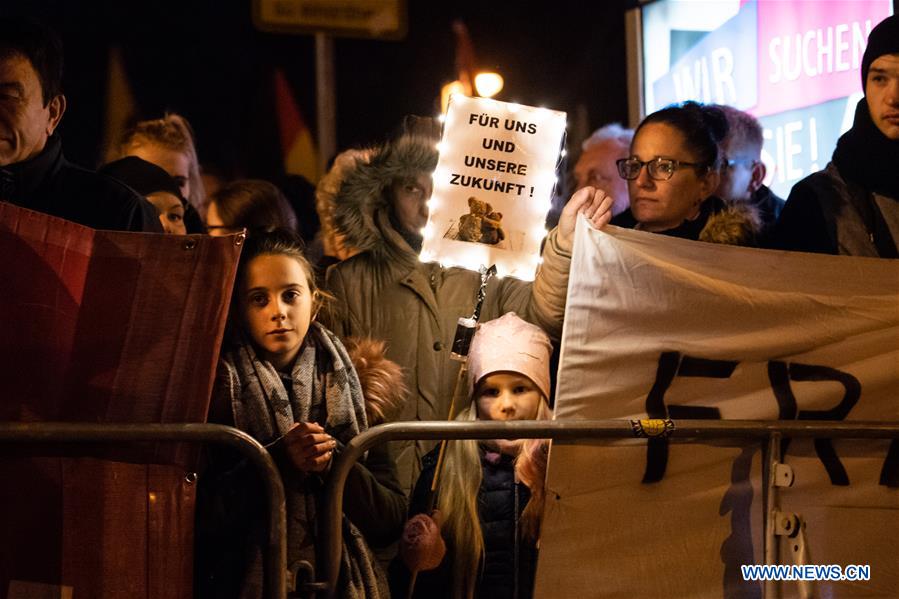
x: 672, y: 173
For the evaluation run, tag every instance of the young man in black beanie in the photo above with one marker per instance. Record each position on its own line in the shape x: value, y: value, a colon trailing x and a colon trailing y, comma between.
x: 852, y: 206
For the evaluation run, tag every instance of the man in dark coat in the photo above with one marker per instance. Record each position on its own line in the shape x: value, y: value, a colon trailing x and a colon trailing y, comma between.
x: 852, y: 206
x: 34, y: 173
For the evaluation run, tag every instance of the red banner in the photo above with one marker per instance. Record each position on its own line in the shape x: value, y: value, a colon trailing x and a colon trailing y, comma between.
x: 102, y: 326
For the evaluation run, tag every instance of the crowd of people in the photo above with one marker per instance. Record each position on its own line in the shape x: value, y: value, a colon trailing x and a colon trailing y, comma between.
x: 332, y: 335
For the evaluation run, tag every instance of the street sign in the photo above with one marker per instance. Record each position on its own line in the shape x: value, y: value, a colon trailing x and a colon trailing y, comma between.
x: 381, y: 19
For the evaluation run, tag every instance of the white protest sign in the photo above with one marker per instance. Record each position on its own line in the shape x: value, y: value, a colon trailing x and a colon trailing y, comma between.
x: 661, y: 327
x: 493, y: 186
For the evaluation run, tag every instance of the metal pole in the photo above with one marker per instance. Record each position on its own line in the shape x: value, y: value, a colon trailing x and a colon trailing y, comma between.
x: 69, y: 432
x: 566, y: 431
x: 633, y: 34
x: 325, y: 100
x: 772, y: 503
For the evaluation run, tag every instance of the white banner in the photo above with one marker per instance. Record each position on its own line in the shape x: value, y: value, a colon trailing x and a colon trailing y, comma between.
x: 493, y: 185
x: 667, y: 328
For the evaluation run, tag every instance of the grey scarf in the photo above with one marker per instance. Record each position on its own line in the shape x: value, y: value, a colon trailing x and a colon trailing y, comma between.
x: 324, y: 389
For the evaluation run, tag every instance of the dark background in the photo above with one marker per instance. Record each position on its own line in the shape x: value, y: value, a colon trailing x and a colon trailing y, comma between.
x: 205, y: 60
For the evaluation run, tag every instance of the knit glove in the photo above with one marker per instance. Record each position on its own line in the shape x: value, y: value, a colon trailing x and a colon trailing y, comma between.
x: 421, y: 546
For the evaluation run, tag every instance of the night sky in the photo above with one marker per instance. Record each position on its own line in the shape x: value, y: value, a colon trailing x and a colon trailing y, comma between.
x: 205, y: 60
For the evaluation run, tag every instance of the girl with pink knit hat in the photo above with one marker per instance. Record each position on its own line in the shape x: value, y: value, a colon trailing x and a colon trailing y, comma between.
x: 481, y: 541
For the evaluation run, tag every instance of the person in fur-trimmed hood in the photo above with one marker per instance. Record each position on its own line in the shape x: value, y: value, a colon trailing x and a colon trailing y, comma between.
x: 673, y: 195
x: 387, y: 293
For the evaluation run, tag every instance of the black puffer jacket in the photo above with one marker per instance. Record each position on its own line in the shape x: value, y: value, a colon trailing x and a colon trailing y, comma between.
x: 500, y: 504
x: 509, y: 561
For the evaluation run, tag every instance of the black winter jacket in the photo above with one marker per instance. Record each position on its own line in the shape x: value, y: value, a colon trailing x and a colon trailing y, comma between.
x: 51, y: 184
x: 828, y: 214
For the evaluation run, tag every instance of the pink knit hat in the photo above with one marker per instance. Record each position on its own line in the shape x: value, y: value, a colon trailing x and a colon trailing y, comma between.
x: 509, y: 344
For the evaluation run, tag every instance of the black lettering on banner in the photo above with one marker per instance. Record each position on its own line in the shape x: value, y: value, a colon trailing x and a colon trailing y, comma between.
x: 780, y: 374
x: 673, y: 364
x: 670, y: 365
x: 889, y: 474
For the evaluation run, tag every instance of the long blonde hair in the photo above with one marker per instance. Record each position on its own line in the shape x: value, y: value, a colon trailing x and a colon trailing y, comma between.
x: 457, y: 502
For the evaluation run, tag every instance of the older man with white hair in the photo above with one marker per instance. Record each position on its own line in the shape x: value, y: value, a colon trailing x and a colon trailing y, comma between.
x: 596, y: 164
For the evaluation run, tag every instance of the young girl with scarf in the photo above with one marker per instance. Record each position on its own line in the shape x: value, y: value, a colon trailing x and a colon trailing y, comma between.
x: 290, y: 383
x: 481, y: 541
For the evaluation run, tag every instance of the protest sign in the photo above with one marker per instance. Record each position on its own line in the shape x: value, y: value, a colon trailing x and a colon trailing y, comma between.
x: 661, y: 327
x: 493, y: 186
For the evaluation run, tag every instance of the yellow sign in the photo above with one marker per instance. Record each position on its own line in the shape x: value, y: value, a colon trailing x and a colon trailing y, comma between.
x: 350, y: 18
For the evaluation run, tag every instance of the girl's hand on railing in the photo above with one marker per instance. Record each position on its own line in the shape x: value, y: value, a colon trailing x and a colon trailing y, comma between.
x: 309, y: 447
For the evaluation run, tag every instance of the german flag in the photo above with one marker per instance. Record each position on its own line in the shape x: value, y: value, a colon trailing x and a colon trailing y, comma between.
x: 297, y: 145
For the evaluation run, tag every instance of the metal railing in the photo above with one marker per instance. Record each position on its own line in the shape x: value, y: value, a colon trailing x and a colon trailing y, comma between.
x: 576, y: 430
x: 66, y: 432
x: 558, y: 430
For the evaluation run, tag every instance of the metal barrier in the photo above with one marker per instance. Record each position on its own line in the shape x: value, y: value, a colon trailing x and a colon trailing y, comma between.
x: 65, y: 432
x: 580, y: 430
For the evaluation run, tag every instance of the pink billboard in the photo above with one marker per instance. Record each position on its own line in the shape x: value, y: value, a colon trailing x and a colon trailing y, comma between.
x: 811, y: 52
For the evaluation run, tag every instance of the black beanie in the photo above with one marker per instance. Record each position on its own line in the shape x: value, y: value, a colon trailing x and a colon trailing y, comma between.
x: 142, y: 176
x: 884, y: 39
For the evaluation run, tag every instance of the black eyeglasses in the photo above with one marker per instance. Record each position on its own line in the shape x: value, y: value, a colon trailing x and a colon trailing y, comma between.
x: 660, y: 169
x: 729, y: 163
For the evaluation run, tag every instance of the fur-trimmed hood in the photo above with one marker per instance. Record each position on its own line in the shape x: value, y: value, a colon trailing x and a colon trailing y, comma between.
x: 383, y: 385
x: 326, y: 192
x: 737, y: 223
x: 362, y: 207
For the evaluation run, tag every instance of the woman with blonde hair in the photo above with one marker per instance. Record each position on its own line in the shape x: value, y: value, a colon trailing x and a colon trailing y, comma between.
x: 481, y: 541
x: 169, y: 144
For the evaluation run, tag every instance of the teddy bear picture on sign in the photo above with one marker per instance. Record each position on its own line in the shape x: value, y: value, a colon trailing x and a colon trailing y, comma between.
x: 482, y: 224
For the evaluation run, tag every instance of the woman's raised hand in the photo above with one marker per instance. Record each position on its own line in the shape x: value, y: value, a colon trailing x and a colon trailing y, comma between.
x: 593, y: 203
